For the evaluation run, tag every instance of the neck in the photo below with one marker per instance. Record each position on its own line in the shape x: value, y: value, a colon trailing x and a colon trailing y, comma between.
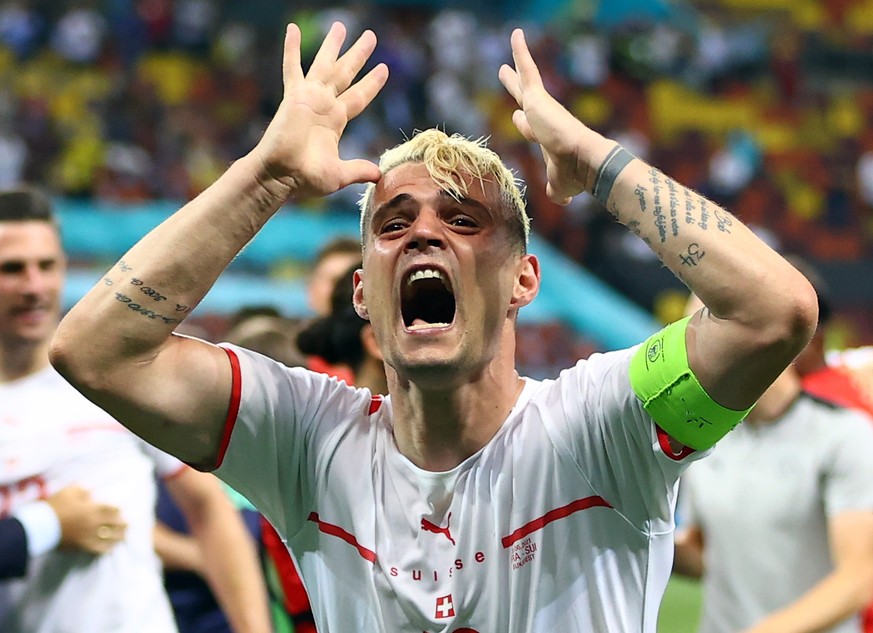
x: 22, y: 359
x: 437, y: 429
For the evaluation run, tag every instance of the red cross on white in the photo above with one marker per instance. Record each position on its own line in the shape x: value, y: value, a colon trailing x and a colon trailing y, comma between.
x: 445, y: 608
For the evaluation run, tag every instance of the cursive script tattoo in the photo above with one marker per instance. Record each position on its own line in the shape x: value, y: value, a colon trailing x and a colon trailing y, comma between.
x: 660, y: 219
x: 146, y: 312
x: 689, y: 206
x: 723, y: 220
x: 704, y: 215
x: 674, y: 206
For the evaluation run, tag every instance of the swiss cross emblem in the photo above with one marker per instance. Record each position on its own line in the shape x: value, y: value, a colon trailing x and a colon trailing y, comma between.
x: 445, y: 608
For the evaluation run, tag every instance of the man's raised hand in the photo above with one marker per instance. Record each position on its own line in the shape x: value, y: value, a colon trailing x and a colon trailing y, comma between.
x: 564, y: 139
x: 300, y: 148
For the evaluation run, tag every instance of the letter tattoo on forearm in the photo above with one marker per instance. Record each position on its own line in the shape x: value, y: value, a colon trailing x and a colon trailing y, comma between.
x: 689, y: 206
x: 660, y: 219
x: 640, y: 193
x: 139, y: 309
x: 674, y: 206
x: 704, y: 215
x: 723, y: 220
x: 147, y: 290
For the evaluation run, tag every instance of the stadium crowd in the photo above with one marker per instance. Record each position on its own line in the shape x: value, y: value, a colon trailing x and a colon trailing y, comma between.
x: 759, y: 105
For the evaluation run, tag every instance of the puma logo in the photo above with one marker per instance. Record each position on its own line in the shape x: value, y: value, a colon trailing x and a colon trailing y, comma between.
x: 427, y: 526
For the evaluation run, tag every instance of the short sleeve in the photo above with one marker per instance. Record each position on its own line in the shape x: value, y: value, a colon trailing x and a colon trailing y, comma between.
x: 848, y: 474
x: 615, y: 441
x: 281, y: 436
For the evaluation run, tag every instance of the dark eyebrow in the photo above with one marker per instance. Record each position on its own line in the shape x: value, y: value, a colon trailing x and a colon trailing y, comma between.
x: 403, y: 198
x: 389, y: 205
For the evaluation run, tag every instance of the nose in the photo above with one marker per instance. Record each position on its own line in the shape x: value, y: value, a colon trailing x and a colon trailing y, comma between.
x: 426, y: 231
x: 34, y: 280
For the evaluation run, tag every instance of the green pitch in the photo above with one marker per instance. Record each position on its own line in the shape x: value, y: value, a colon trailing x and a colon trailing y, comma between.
x: 680, y: 609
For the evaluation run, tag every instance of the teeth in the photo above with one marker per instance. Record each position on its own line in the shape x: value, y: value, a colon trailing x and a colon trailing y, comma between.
x: 425, y: 326
x: 426, y: 273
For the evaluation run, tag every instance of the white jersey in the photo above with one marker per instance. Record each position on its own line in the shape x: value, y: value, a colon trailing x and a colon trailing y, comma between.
x: 562, y: 522
x: 51, y: 437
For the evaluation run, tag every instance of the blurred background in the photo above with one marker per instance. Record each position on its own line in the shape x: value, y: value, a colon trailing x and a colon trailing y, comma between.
x: 124, y: 109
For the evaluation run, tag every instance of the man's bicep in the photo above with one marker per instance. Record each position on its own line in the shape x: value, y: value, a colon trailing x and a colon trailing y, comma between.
x: 177, y: 400
x: 666, y: 383
x: 735, y: 364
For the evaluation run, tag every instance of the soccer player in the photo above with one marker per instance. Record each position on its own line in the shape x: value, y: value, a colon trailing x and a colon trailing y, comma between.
x: 470, y: 498
x: 52, y: 438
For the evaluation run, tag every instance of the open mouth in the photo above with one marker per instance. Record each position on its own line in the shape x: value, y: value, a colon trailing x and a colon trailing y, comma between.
x: 427, y: 300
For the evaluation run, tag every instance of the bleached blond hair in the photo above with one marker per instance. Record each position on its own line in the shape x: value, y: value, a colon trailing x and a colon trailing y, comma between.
x: 447, y: 159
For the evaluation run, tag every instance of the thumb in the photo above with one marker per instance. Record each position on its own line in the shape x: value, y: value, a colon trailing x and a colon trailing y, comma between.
x: 360, y: 170
x: 555, y: 197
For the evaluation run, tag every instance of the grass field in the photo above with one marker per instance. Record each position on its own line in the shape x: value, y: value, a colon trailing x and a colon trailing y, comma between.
x: 680, y: 609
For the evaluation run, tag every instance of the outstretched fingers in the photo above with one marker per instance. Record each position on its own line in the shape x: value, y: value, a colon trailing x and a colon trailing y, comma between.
x: 525, y: 66
x: 352, y: 61
x: 361, y: 94
x: 509, y: 78
x: 322, y: 68
x: 292, y: 68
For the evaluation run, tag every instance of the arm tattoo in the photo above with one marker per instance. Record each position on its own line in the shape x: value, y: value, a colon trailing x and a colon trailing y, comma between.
x: 640, y: 193
x: 723, y: 220
x: 609, y: 169
x: 147, y: 290
x: 704, y: 215
x: 689, y: 206
x: 660, y: 219
x: 693, y: 255
x: 150, y: 314
x: 674, y: 206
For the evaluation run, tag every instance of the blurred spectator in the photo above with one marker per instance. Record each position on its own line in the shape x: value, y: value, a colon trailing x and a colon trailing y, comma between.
x: 204, y: 577
x: 341, y: 337
x: 779, y: 520
x: 331, y: 261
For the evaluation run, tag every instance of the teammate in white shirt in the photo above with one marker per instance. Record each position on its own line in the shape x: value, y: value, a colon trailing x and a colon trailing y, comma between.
x: 469, y: 499
x: 52, y: 438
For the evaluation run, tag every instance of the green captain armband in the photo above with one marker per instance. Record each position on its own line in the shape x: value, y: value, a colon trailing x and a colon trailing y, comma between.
x: 672, y: 395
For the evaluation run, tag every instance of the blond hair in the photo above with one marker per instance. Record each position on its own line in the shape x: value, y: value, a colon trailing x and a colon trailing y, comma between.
x: 446, y: 159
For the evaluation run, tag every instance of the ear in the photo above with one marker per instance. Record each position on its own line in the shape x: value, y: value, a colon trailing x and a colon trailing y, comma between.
x: 358, y: 295
x: 527, y: 281
x: 368, y: 342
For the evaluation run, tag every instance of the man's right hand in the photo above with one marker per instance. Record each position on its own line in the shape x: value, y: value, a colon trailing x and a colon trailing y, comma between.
x: 300, y: 148
x: 85, y: 524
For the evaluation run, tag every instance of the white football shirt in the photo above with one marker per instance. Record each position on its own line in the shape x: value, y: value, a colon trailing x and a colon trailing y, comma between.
x: 51, y: 436
x: 562, y: 522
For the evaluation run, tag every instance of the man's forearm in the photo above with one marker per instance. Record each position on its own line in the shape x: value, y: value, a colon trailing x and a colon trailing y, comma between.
x: 157, y: 283
x: 718, y: 257
x: 759, y: 311
x: 232, y: 569
x: 838, y: 596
